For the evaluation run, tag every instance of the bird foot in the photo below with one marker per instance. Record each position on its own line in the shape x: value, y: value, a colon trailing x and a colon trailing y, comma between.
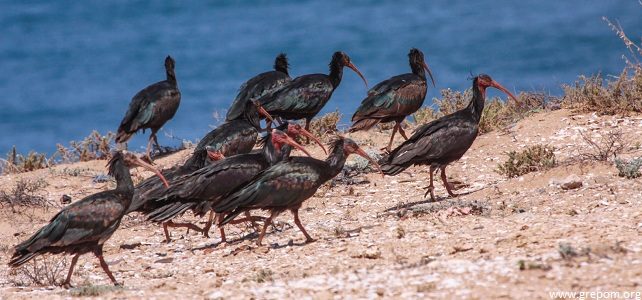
x: 431, y: 190
x: 310, y: 240
x: 386, y: 150
x: 66, y: 285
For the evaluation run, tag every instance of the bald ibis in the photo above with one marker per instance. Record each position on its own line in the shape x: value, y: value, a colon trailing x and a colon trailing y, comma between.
x: 151, y: 108
x: 85, y: 225
x: 285, y: 185
x: 201, y: 189
x: 236, y: 136
x: 394, y: 99
x: 445, y: 140
x: 259, y: 86
x: 306, y: 95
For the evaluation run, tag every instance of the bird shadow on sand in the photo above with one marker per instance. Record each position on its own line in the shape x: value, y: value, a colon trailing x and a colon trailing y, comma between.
x: 425, y: 201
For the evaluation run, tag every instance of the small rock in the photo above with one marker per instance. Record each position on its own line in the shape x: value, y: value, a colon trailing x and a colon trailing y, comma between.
x: 164, y: 260
x: 572, y: 182
x: 371, y: 253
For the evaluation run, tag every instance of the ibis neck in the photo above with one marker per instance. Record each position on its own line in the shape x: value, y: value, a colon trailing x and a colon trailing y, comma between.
x: 123, y: 178
x: 476, y: 105
x: 336, y: 160
x: 251, y: 115
x: 275, y: 154
x: 336, y: 73
x: 418, y: 70
x: 171, y: 76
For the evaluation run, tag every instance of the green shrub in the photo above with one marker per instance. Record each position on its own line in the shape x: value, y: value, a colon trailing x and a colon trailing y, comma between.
x: 532, y: 159
x: 629, y: 168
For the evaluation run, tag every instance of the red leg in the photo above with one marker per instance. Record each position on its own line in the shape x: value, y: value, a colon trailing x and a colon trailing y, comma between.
x: 431, y: 187
x: 401, y: 131
x: 167, y: 238
x: 446, y: 184
x: 265, y: 226
x: 392, y: 137
x: 297, y: 221
x: 99, y: 253
x: 67, y: 283
x: 208, y: 225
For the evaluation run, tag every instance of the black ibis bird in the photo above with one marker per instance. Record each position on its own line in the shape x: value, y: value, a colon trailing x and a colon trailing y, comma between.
x: 285, y: 185
x: 151, y: 108
x: 237, y: 136
x: 394, y: 99
x: 259, y: 86
x: 305, y: 96
x: 200, y: 190
x: 85, y: 225
x: 444, y: 140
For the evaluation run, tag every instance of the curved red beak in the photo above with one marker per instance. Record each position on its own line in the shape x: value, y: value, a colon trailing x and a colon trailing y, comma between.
x: 314, y: 138
x: 365, y: 155
x: 354, y: 68
x: 430, y: 74
x: 147, y: 166
x: 498, y: 86
x: 288, y: 140
x: 263, y: 112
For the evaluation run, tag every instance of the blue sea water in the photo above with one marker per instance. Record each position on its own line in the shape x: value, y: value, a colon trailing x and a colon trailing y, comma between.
x: 68, y: 67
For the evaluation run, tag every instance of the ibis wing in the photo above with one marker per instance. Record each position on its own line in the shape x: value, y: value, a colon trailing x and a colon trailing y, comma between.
x: 256, y: 87
x: 430, y: 142
x: 300, y: 95
x: 278, y: 186
x: 398, y: 96
x: 91, y: 219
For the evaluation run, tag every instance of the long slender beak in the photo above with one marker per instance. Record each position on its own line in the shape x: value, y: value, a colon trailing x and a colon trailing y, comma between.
x: 263, y: 112
x: 288, y: 140
x: 314, y: 138
x: 498, y: 86
x: 215, y: 155
x: 430, y: 74
x: 354, y: 68
x: 147, y: 166
x: 365, y: 155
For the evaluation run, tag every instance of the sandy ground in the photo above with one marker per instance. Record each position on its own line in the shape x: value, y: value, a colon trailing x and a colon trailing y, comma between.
x: 379, y: 237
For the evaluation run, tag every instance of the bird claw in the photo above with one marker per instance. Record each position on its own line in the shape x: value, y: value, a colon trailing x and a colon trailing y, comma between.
x: 310, y: 240
x: 66, y: 285
x: 430, y: 189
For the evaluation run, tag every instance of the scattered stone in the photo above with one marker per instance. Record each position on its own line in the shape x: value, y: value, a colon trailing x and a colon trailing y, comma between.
x: 164, y: 260
x: 370, y: 253
x: 570, y: 183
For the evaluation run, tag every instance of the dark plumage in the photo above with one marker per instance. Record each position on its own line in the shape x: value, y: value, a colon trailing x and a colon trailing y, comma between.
x: 259, y: 86
x: 306, y: 95
x: 85, y: 225
x: 394, y: 99
x: 201, y: 189
x: 444, y: 140
x: 151, y: 108
x: 285, y: 185
x: 236, y: 136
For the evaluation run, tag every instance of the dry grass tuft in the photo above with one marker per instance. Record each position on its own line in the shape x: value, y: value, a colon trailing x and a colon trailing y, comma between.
x: 94, y: 146
x: 604, y: 145
x: 46, y: 270
x: 23, y: 194
x: 497, y: 113
x: 620, y: 95
x: 324, y: 125
x: 18, y: 163
x: 532, y: 159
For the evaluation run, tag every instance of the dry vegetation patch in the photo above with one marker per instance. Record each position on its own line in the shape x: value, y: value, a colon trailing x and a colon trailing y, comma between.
x: 532, y: 159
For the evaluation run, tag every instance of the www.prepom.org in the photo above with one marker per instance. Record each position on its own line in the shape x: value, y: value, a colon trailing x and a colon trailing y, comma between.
x: 585, y: 295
